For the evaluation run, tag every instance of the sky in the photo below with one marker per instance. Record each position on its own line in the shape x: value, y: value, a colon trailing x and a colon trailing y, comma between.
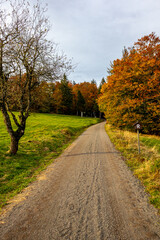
x: 94, y: 32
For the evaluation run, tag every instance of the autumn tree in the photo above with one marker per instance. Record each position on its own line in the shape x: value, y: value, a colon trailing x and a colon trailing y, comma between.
x: 26, y: 54
x: 90, y: 94
x: 42, y: 99
x: 101, y: 114
x: 57, y: 97
x: 132, y: 91
x: 101, y: 84
x: 93, y: 82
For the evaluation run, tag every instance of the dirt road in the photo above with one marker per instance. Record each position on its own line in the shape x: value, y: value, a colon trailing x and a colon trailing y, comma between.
x: 88, y: 194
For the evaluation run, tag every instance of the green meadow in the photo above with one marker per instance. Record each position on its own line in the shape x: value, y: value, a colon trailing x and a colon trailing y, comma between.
x: 46, y: 136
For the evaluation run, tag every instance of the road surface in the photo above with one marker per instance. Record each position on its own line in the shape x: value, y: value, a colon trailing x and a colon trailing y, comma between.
x: 87, y: 194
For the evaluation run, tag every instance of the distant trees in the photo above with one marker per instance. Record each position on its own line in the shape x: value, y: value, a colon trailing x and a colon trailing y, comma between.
x: 132, y: 90
x: 89, y: 91
x: 67, y: 96
x: 75, y: 98
x: 26, y: 58
x: 42, y: 98
x: 80, y: 103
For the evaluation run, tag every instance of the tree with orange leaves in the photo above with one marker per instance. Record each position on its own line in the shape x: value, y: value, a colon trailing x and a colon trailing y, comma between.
x: 132, y: 91
x: 89, y: 91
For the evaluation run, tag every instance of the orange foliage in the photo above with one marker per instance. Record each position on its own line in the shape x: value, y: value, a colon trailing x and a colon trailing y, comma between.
x: 50, y: 97
x: 90, y: 94
x: 132, y: 91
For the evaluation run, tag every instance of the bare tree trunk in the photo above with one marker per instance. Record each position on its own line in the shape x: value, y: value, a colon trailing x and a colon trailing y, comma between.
x: 14, y: 146
x: 15, y: 135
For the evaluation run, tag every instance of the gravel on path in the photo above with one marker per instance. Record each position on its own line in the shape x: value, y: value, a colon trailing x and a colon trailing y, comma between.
x: 88, y: 193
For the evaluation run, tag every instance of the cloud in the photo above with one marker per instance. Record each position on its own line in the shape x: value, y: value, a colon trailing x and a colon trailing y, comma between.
x: 94, y: 32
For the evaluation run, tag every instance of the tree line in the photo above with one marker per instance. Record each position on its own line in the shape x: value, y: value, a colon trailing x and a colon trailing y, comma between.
x: 62, y: 97
x: 33, y: 77
x: 132, y: 90
x: 33, y: 74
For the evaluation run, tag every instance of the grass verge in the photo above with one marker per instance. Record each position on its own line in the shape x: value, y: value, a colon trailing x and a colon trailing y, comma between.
x: 146, y: 165
x: 46, y: 136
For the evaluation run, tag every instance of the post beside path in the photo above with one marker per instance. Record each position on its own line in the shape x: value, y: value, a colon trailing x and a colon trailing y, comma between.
x: 137, y: 126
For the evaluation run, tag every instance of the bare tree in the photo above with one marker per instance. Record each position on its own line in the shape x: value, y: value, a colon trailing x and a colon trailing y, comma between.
x: 26, y: 57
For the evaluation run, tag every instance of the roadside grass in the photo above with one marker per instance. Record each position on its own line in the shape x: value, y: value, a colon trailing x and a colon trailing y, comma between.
x: 146, y: 165
x: 151, y: 141
x: 46, y: 136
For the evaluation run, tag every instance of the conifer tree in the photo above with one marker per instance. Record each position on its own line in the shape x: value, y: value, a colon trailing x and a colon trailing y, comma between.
x: 80, y: 102
x: 67, y: 96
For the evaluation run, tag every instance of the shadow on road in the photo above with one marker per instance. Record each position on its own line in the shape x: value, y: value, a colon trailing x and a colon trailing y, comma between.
x: 90, y: 153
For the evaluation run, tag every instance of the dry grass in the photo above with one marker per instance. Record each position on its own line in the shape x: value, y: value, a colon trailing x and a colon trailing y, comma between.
x: 146, y: 165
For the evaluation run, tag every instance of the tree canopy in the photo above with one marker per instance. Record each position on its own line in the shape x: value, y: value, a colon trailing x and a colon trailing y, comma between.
x: 132, y: 90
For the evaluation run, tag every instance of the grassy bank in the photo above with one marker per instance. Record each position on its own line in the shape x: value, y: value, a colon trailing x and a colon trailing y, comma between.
x: 45, y: 138
x: 146, y: 165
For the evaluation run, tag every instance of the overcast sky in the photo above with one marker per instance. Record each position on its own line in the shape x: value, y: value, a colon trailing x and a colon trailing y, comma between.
x: 94, y: 32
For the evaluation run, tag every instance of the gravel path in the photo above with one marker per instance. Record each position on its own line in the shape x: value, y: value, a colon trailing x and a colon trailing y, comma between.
x: 87, y: 194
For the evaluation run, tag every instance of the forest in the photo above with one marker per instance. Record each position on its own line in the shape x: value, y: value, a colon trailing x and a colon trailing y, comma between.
x: 62, y: 97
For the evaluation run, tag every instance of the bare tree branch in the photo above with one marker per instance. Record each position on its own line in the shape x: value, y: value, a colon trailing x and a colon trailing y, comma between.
x: 26, y: 58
